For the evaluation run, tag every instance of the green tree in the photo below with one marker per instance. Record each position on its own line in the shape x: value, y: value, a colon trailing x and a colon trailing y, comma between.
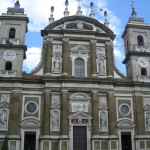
x: 5, y: 144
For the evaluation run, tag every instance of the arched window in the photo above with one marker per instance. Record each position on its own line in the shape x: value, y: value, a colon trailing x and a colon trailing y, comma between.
x: 79, y: 68
x: 143, y: 72
x: 127, y: 46
x: 140, y: 40
x: 12, y: 33
x: 8, y: 66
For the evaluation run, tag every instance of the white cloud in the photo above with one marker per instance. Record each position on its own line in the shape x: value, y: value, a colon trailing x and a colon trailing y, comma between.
x: 39, y: 11
x: 33, y: 58
x: 118, y: 54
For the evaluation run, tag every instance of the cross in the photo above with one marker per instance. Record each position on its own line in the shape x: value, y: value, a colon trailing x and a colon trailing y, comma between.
x: 132, y: 5
x: 79, y: 1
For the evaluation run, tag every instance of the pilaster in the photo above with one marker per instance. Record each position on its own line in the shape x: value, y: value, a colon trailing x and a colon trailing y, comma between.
x: 64, y: 113
x: 15, y: 105
x: 112, y: 118
x: 48, y: 56
x: 95, y: 124
x: 65, y: 66
x: 93, y: 57
x: 139, y: 114
x: 110, y: 59
x: 47, y: 101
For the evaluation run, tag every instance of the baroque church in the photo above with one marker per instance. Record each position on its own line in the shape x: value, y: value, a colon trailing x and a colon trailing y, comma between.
x: 76, y: 98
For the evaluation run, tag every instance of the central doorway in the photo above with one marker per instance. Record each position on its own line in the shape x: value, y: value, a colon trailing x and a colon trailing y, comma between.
x: 126, y: 141
x: 30, y: 141
x: 79, y: 138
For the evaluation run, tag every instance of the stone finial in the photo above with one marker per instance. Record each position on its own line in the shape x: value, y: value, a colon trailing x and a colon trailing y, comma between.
x: 106, y: 23
x: 79, y: 11
x: 51, y: 19
x: 66, y: 12
x: 92, y: 14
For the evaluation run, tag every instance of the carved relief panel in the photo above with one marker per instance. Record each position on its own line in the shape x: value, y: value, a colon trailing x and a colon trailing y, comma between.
x: 101, y: 61
x: 4, y: 116
x: 55, y: 118
x: 57, y: 59
x: 79, y: 102
x: 4, y: 111
x: 146, y: 105
x: 55, y: 113
x: 103, y: 114
x: 5, y: 98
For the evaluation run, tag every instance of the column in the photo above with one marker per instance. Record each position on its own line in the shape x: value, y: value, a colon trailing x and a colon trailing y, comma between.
x: 64, y: 113
x: 46, y: 115
x: 95, y: 124
x: 48, y: 56
x: 66, y: 57
x: 93, y: 58
x: 110, y: 59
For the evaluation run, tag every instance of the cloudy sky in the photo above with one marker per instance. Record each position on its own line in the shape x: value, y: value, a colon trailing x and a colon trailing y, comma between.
x: 38, y: 12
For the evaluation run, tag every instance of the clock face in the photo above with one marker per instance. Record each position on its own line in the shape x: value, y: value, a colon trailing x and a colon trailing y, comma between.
x: 143, y: 62
x: 9, y: 55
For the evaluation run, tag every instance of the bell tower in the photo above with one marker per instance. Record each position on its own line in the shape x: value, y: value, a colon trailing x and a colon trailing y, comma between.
x: 137, y: 48
x: 12, y: 37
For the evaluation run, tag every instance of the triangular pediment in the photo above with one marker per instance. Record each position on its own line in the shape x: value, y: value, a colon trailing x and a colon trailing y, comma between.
x: 4, y: 105
x: 80, y: 115
x: 80, y: 48
x: 147, y: 107
x: 126, y: 124
x: 30, y: 123
x: 79, y: 96
x: 55, y: 106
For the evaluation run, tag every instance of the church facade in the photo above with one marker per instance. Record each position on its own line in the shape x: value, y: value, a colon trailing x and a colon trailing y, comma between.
x: 76, y: 98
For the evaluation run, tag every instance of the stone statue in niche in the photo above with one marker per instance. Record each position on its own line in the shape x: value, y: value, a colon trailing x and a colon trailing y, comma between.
x: 57, y: 64
x: 103, y: 121
x: 3, y: 118
x: 101, y: 66
x: 55, y: 120
x: 147, y: 120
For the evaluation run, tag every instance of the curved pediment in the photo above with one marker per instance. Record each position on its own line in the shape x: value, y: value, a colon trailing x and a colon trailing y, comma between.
x: 78, y: 23
x: 30, y: 123
x: 125, y: 124
x: 79, y: 96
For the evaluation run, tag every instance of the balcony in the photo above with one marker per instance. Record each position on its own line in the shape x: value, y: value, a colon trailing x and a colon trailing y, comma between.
x: 142, y: 49
x: 7, y: 73
x: 144, y: 78
x: 10, y: 41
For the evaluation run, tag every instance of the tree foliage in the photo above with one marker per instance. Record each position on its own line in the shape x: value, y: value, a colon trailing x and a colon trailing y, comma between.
x: 5, y: 144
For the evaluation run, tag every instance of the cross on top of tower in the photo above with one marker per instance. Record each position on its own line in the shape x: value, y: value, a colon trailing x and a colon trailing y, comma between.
x: 132, y: 3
